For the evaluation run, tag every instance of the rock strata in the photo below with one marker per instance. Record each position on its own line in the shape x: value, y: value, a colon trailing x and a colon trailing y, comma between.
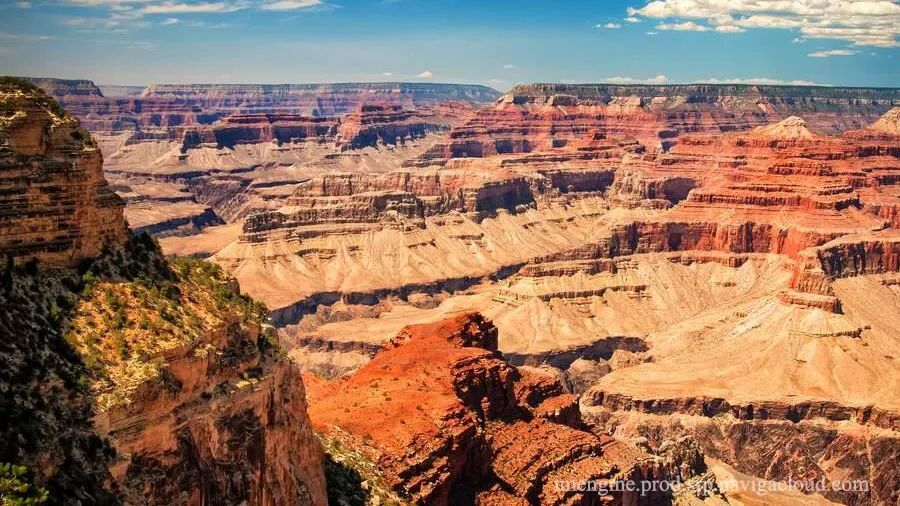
x: 55, y: 205
x: 473, y: 425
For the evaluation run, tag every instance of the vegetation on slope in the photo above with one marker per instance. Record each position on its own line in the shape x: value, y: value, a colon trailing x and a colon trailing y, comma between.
x: 351, y: 474
x: 81, y: 340
x: 123, y: 328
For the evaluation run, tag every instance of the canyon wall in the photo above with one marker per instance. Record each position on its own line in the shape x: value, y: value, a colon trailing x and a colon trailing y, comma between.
x: 55, y: 205
x: 131, y: 378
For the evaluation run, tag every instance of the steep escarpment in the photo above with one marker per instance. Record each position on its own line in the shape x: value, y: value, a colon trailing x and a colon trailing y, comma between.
x: 130, y: 378
x: 55, y: 205
x: 474, y: 429
x: 534, y: 117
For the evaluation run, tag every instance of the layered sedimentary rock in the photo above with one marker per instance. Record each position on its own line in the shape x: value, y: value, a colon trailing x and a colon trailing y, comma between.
x: 273, y: 135
x: 474, y: 429
x: 203, y: 409
x: 55, y: 205
x: 735, y: 287
x: 534, y: 117
x: 131, y: 379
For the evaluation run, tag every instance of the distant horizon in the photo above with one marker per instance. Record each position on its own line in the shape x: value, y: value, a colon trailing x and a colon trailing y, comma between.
x: 441, y: 83
x: 836, y: 43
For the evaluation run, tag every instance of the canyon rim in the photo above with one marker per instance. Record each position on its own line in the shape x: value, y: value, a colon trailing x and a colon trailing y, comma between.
x: 296, y: 252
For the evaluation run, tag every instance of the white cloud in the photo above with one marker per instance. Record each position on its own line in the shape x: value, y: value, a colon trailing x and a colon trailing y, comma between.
x: 387, y: 74
x: 660, y: 79
x: 171, y: 21
x: 23, y: 5
x: 425, y: 75
x: 632, y: 19
x: 287, y: 5
x: 509, y: 66
x: 193, y: 8
x: 22, y: 36
x: 860, y: 22
x: 798, y: 40
x: 833, y: 52
x: 687, y: 26
x: 495, y: 81
x: 729, y: 29
x: 611, y: 26
x: 761, y: 81
x: 652, y: 33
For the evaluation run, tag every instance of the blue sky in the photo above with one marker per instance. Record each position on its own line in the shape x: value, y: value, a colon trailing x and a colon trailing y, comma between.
x: 493, y: 42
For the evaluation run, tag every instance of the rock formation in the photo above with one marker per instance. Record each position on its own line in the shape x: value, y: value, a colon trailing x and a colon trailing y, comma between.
x: 475, y: 430
x: 129, y: 378
x: 767, y: 253
x: 55, y: 205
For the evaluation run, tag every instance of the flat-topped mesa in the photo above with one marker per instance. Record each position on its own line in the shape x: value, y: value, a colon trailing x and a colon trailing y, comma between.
x: 775, y: 189
x: 395, y: 200
x: 374, y: 124
x: 269, y: 127
x: 55, y: 205
x: 472, y: 423
x: 243, y: 94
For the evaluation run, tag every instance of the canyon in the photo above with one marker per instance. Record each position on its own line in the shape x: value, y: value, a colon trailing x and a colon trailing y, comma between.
x: 721, y: 281
x: 693, y: 283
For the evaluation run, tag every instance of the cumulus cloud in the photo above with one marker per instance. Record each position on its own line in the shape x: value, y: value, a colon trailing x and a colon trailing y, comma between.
x: 425, y: 75
x: 660, y: 79
x: 611, y: 26
x: 687, y: 26
x: 171, y: 21
x: 387, y: 74
x: 833, y: 52
x: 509, y: 66
x: 632, y: 19
x: 860, y: 22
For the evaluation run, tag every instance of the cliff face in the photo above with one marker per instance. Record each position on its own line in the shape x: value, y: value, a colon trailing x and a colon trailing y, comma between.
x: 530, y: 117
x: 198, y: 404
x: 55, y: 205
x: 474, y: 429
x: 131, y: 378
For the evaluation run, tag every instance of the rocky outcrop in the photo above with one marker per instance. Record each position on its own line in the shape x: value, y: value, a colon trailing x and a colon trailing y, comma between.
x: 843, y: 448
x: 374, y: 125
x: 130, y: 378
x: 55, y: 205
x: 474, y: 427
x: 222, y: 420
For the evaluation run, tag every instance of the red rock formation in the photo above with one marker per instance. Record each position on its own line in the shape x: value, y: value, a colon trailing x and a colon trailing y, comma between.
x: 219, y: 426
x: 374, y: 124
x: 536, y: 117
x: 470, y: 421
x: 55, y: 205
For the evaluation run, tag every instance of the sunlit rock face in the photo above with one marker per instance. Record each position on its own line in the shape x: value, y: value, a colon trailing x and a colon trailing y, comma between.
x: 55, y: 205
